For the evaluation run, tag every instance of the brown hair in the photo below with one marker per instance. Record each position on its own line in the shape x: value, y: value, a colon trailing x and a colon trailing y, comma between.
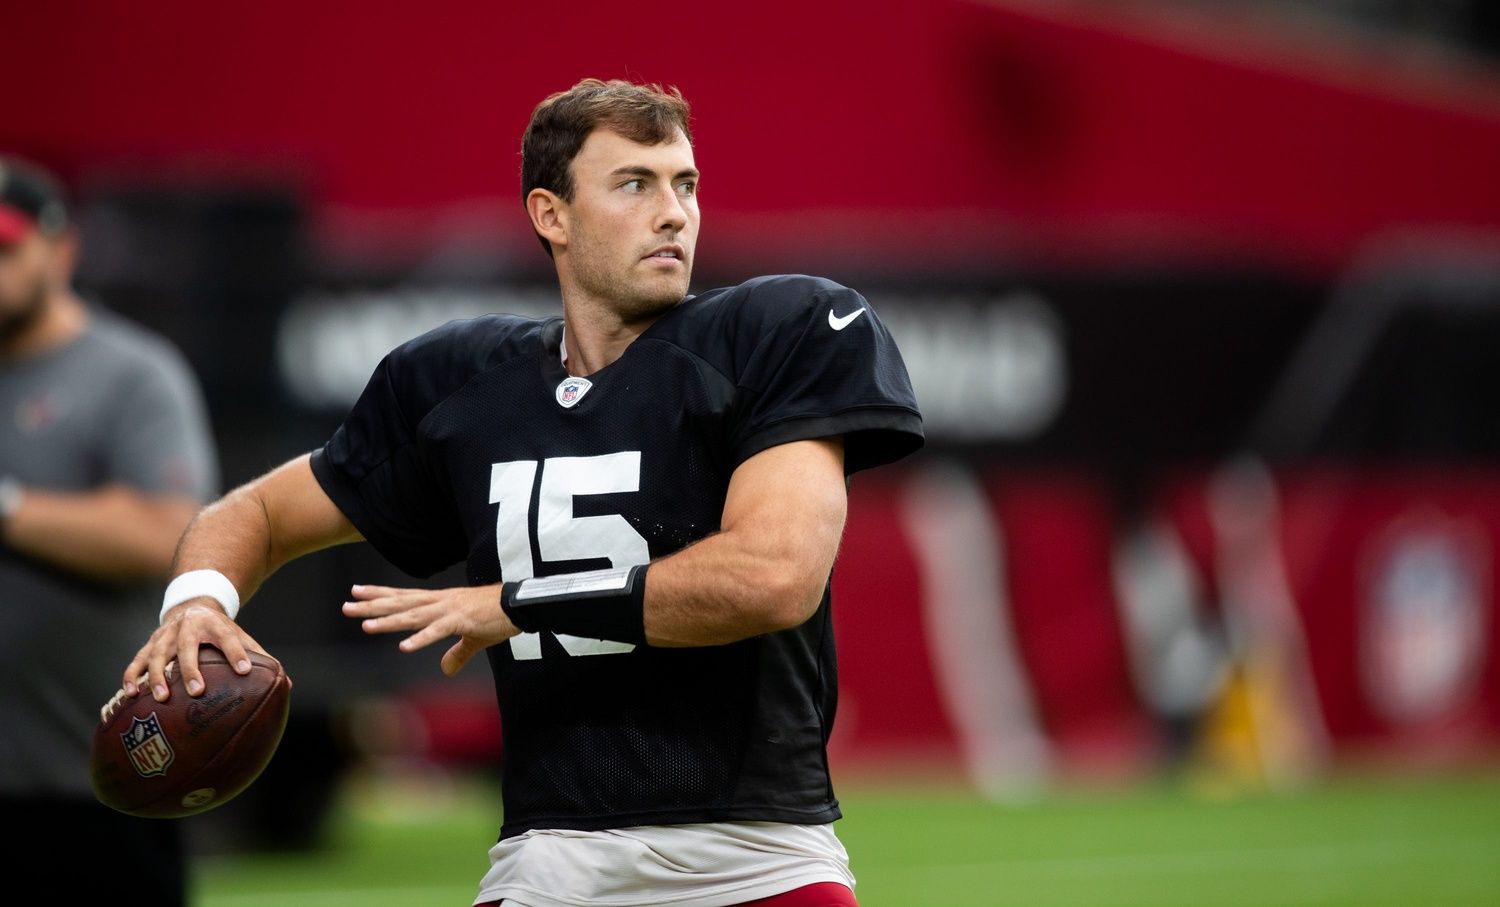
x: 647, y: 114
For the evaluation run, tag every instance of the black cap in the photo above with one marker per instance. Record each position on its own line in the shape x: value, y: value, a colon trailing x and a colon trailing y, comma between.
x: 29, y: 200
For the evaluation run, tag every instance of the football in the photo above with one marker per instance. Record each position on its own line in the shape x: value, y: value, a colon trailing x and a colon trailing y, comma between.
x: 170, y: 759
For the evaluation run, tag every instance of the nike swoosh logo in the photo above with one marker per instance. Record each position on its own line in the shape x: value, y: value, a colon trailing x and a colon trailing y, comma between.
x: 838, y: 324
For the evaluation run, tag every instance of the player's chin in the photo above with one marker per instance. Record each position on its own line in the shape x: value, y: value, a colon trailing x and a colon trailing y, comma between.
x: 652, y: 297
x: 674, y: 285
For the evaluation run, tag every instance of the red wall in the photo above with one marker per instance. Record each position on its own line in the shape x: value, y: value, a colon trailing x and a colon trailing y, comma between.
x: 1390, y: 575
x: 926, y: 131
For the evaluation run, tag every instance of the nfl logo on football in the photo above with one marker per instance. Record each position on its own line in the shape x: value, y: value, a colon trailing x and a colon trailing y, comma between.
x: 147, y: 746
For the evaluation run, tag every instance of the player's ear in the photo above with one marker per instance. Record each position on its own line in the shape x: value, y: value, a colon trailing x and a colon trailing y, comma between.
x: 549, y: 216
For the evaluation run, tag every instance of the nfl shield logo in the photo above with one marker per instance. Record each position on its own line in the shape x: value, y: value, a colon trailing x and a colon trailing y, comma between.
x: 147, y: 746
x: 571, y: 390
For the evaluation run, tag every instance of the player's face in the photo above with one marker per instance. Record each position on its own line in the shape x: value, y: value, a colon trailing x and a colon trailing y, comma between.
x: 633, y: 222
x: 25, y: 271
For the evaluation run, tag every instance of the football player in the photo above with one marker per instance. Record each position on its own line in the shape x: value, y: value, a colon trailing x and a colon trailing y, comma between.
x: 648, y: 492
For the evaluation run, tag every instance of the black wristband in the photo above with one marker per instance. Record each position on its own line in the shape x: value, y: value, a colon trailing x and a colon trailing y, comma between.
x: 598, y: 604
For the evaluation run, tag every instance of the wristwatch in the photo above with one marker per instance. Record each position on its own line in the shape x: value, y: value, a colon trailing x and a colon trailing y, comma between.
x: 12, y: 493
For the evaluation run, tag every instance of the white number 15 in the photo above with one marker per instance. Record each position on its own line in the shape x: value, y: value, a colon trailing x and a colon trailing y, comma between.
x: 561, y: 536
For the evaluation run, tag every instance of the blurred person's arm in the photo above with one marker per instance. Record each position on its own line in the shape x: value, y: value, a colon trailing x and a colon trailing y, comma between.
x: 155, y: 465
x: 114, y: 534
x: 246, y: 536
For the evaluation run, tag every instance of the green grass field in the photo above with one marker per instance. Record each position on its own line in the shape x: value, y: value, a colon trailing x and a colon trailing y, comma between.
x: 1357, y: 842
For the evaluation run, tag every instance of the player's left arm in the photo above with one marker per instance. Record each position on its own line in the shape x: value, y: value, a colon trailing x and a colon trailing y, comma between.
x: 767, y: 567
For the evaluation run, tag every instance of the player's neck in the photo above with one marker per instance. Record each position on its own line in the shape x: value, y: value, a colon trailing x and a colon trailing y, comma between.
x: 595, y: 337
x: 62, y: 318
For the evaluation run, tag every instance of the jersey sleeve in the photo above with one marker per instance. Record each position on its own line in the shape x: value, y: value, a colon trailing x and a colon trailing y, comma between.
x: 818, y: 362
x: 376, y: 470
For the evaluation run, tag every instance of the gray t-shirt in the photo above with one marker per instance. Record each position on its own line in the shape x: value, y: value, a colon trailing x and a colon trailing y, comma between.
x: 117, y: 404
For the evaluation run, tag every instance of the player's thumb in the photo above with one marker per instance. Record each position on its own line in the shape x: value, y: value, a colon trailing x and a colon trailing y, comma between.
x: 458, y: 656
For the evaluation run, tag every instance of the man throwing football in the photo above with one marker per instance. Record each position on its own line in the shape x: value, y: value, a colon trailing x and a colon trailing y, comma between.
x: 648, y: 493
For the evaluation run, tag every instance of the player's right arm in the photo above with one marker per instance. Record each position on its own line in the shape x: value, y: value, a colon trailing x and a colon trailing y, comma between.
x: 247, y: 535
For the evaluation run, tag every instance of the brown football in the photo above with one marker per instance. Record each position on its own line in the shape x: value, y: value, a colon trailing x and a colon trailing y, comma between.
x: 189, y: 754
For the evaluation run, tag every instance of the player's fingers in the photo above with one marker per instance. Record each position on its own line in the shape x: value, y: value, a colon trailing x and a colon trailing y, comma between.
x: 210, y: 627
x: 366, y: 592
x: 412, y: 619
x: 134, y: 678
x: 426, y: 636
x: 252, y: 645
x: 458, y: 656
x: 134, y: 674
x: 163, y: 650
x: 383, y: 605
x: 187, y: 660
x: 233, y: 646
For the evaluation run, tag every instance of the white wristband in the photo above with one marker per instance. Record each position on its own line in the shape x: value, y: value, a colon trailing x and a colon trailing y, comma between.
x: 201, y: 584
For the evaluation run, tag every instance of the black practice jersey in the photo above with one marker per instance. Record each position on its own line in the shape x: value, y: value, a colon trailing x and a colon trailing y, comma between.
x: 472, y: 443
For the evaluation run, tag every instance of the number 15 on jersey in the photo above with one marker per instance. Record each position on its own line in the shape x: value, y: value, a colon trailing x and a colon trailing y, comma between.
x: 560, y: 536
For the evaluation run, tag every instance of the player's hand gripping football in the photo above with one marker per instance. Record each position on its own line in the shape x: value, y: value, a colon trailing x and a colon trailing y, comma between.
x: 472, y: 613
x: 187, y: 626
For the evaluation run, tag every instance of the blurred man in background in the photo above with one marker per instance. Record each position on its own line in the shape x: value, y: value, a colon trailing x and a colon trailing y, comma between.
x: 105, y: 454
